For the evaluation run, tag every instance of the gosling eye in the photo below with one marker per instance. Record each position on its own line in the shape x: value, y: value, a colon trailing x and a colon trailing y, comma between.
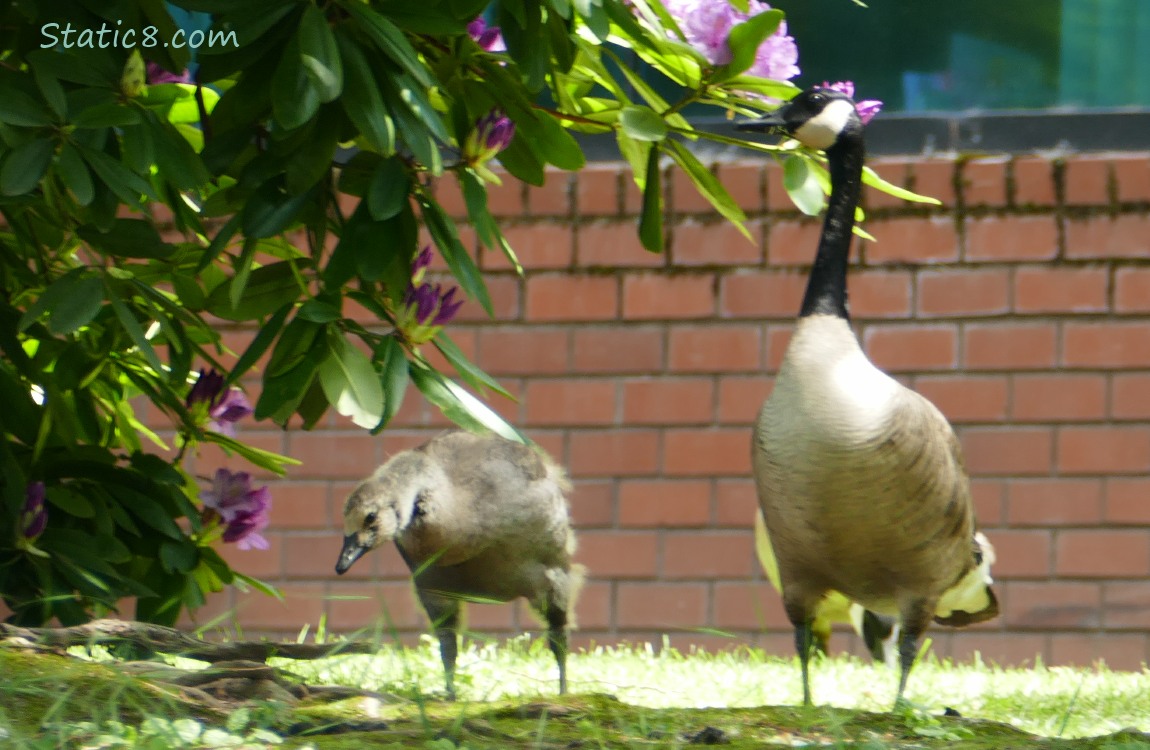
x: 369, y: 519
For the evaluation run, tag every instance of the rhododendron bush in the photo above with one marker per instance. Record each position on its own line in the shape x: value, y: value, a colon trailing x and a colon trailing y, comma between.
x: 296, y: 155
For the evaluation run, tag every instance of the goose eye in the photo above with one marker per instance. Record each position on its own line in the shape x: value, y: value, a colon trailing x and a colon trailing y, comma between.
x: 817, y: 98
x: 369, y: 519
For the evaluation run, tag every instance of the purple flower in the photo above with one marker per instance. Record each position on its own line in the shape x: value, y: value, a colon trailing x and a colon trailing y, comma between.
x: 707, y: 24
x: 425, y: 307
x: 489, y: 38
x: 34, y: 516
x: 492, y: 133
x: 209, y: 400
x: 867, y: 108
x: 243, y: 510
x: 157, y: 74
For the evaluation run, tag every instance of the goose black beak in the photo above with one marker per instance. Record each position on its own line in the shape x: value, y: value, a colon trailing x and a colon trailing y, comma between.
x: 764, y: 124
x: 352, y: 551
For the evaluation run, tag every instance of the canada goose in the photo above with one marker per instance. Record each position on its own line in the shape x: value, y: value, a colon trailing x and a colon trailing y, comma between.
x: 473, y: 516
x: 860, y: 480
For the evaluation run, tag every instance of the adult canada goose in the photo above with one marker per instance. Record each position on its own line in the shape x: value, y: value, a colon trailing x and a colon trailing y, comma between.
x: 474, y: 517
x: 860, y: 480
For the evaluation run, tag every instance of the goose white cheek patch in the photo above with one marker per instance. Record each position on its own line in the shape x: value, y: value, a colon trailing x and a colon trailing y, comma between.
x: 821, y: 130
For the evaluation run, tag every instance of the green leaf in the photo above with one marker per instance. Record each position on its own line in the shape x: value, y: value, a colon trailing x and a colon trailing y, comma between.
x: 802, y: 185
x: 107, y: 115
x: 128, y: 238
x: 870, y: 177
x: 125, y: 183
x: 178, y: 557
x: 25, y: 165
x: 271, y: 210
x: 551, y: 141
x: 642, y: 123
x: 460, y: 406
x: 268, y: 460
x: 318, y: 311
x: 17, y: 108
x: 394, y: 379
x: 268, y: 289
x: 744, y: 41
x: 243, y: 272
x: 319, y: 54
x: 389, y: 188
x: 71, y: 502
x: 76, y: 302
x: 260, y: 342
x: 75, y: 175
x: 295, y: 99
x: 467, y: 369
x: 135, y: 330
x: 458, y: 258
x: 391, y: 41
x: 651, y: 220
x: 351, y: 383
x: 362, y: 101
x: 708, y: 185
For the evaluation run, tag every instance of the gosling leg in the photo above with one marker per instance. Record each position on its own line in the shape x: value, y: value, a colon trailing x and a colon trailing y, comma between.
x: 557, y: 640
x: 444, y: 615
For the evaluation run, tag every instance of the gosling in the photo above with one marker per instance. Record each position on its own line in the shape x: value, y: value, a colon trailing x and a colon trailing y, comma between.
x: 474, y: 517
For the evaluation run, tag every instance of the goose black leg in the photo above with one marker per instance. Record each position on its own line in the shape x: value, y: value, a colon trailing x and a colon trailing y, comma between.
x: 444, y: 615
x: 915, y: 619
x: 803, y: 646
x: 557, y: 640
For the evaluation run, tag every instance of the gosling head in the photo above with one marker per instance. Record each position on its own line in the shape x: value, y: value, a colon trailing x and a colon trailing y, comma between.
x: 382, y: 507
x: 818, y: 117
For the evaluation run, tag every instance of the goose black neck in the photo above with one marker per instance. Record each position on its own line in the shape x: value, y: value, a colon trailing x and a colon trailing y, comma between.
x: 827, y: 286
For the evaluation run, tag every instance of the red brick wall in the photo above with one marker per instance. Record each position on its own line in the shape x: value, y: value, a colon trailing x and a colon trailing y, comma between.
x: 1021, y: 307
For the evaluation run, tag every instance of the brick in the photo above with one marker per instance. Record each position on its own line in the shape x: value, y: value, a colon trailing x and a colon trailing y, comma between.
x: 538, y: 246
x: 684, y: 198
x: 1054, y: 502
x: 740, y: 398
x: 1045, y: 290
x: 1121, y: 236
x: 661, y: 606
x: 505, y: 298
x: 989, y: 496
x: 385, y: 605
x: 1060, y: 397
x: 592, y: 504
x: 1004, y: 649
x: 1021, y: 553
x: 333, y: 455
x: 879, y: 294
x: 487, y: 618
x: 778, y: 339
x: 1132, y: 290
x: 1087, y: 181
x: 1126, y: 606
x: 714, y: 243
x: 1106, y: 344
x: 1127, y: 500
x: 668, y: 401
x: 301, y: 505
x: 608, y: 453
x: 1005, y: 238
x: 594, y: 608
x: 793, y: 242
x: 1102, y: 554
x: 996, y: 346
x: 905, y: 349
x: 736, y: 503
x: 619, y: 554
x: 507, y: 199
x: 708, y: 555
x: 302, y: 603
x: 648, y: 296
x: 554, y: 196
x: 918, y: 240
x: 1132, y: 173
x: 447, y: 192
x: 744, y: 180
x: 618, y: 350
x: 1103, y: 450
x: 465, y: 339
x: 894, y: 171
x: 935, y: 178
x: 761, y: 294
x: 597, y: 190
x: 1052, y: 605
x: 267, y: 564
x: 1034, y: 181
x: 1130, y: 396
x: 752, y: 606
x: 661, y: 503
x: 716, y: 348
x: 706, y: 452
x: 777, y: 197
x: 1123, y: 651
x: 996, y: 451
x: 983, y: 182
x: 983, y: 291
x: 613, y: 244
x: 570, y: 402
x: 524, y: 351
x: 965, y: 398
x: 572, y: 298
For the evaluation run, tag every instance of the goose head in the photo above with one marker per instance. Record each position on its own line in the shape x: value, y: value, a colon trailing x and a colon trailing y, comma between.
x: 382, y: 507
x: 818, y: 117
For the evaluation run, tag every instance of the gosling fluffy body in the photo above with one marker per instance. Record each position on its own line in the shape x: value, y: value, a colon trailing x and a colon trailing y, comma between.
x: 474, y: 517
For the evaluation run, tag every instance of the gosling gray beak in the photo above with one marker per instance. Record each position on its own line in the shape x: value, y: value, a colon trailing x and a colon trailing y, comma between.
x: 764, y: 124
x: 352, y: 551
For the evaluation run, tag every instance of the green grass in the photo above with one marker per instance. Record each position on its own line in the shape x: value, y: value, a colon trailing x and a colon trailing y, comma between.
x: 1048, y: 701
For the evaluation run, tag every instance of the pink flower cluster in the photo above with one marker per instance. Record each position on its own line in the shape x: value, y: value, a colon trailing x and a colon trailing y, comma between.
x: 242, y: 510
x: 222, y: 408
x: 708, y: 23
